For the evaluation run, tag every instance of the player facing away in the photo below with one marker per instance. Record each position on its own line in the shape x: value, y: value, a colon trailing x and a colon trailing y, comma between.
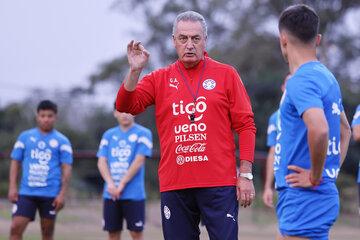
x: 198, y: 103
x: 313, y: 133
x: 121, y: 159
x: 45, y: 156
x: 355, y: 125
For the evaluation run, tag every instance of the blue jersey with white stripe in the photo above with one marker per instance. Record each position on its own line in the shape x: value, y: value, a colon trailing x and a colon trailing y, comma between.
x: 356, y: 121
x: 41, y: 156
x: 311, y: 86
x: 120, y: 149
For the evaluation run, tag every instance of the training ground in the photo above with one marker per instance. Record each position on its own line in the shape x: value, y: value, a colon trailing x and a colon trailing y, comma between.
x: 81, y: 220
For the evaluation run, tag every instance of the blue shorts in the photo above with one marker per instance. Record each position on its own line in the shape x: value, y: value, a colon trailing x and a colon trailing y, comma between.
x: 217, y: 206
x: 308, y: 213
x: 116, y: 211
x: 26, y: 207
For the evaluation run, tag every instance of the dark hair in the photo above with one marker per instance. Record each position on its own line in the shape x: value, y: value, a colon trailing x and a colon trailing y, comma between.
x: 300, y: 21
x: 47, y: 105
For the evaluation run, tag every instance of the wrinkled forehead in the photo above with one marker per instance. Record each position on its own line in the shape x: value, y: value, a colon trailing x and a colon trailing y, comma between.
x: 189, y: 28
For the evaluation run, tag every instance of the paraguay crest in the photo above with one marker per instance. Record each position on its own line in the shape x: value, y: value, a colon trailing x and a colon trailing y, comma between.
x: 209, y: 84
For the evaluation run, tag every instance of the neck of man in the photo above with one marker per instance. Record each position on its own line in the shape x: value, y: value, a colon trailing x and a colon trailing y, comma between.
x: 125, y: 127
x: 298, y: 56
x: 45, y: 131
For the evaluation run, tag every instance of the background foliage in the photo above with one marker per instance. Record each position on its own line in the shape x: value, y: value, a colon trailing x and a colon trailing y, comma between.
x: 242, y: 34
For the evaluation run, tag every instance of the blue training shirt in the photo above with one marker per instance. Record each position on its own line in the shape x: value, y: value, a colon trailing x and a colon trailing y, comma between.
x: 272, y: 129
x: 311, y: 86
x: 41, y: 157
x: 356, y: 121
x: 120, y: 149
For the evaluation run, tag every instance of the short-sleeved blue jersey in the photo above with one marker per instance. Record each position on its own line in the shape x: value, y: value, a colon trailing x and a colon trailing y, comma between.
x: 311, y: 86
x: 41, y: 156
x: 120, y: 149
x: 356, y: 121
x: 272, y: 129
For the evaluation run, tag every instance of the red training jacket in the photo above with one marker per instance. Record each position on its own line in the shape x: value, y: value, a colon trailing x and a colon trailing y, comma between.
x: 199, y: 154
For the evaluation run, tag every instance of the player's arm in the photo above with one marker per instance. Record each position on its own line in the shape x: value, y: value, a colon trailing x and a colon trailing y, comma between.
x: 356, y: 132
x: 105, y: 174
x: 13, y: 173
x: 133, y: 169
x: 137, y: 57
x: 59, y: 201
x: 269, y: 178
x: 318, y: 137
x: 345, y: 135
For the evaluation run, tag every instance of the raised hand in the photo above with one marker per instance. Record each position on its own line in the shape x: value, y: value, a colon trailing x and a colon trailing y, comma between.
x: 137, y: 56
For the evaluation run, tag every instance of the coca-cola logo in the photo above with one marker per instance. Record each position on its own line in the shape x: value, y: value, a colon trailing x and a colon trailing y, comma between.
x: 196, y: 147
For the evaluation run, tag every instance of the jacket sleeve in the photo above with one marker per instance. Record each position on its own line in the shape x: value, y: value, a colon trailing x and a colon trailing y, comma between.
x: 242, y: 117
x: 136, y: 101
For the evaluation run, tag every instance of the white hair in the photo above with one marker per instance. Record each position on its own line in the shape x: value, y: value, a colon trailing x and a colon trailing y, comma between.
x: 190, y: 16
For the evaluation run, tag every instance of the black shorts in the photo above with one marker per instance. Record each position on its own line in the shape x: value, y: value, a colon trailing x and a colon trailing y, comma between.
x: 216, y: 206
x: 116, y: 211
x: 26, y: 207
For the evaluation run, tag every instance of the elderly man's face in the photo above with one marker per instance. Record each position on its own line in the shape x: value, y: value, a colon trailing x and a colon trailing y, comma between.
x: 190, y: 43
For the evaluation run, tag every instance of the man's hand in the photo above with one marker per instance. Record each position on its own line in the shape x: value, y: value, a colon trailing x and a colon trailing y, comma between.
x: 59, y: 202
x: 268, y: 197
x: 120, y: 188
x: 299, y: 179
x: 245, y: 190
x: 13, y: 195
x: 137, y: 56
x: 112, y: 189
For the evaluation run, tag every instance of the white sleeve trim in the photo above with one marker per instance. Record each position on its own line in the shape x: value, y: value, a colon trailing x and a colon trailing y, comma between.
x: 103, y: 142
x: 19, y: 144
x: 67, y: 148
x: 145, y: 141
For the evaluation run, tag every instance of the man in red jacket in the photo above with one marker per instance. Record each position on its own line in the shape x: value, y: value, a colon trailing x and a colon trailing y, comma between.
x: 198, y: 104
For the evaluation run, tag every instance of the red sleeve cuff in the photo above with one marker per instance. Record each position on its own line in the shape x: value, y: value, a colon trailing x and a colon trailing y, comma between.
x: 247, y: 145
x: 123, y: 99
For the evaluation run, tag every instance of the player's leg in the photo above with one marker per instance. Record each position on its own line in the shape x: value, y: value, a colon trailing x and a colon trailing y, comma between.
x: 18, y: 226
x: 180, y: 215
x: 115, y: 235
x: 294, y: 238
x: 219, y: 211
x: 279, y: 236
x: 134, y: 213
x: 22, y: 213
x: 112, y: 218
x: 47, y: 217
x: 47, y: 228
x: 359, y: 196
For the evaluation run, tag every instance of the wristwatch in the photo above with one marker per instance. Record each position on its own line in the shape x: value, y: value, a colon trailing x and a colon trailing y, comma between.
x: 247, y: 175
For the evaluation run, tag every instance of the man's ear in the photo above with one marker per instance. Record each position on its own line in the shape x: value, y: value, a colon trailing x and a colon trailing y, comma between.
x: 318, y: 39
x: 283, y: 39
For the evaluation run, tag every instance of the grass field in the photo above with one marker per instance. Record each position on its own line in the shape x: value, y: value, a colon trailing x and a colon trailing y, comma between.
x: 82, y: 221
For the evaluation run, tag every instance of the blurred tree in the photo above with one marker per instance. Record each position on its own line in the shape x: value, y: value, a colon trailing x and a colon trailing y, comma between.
x: 244, y: 34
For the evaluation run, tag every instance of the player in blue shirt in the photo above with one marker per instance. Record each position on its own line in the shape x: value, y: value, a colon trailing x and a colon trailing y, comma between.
x: 312, y: 126
x: 355, y: 125
x: 46, y: 157
x: 121, y: 159
x: 271, y: 142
